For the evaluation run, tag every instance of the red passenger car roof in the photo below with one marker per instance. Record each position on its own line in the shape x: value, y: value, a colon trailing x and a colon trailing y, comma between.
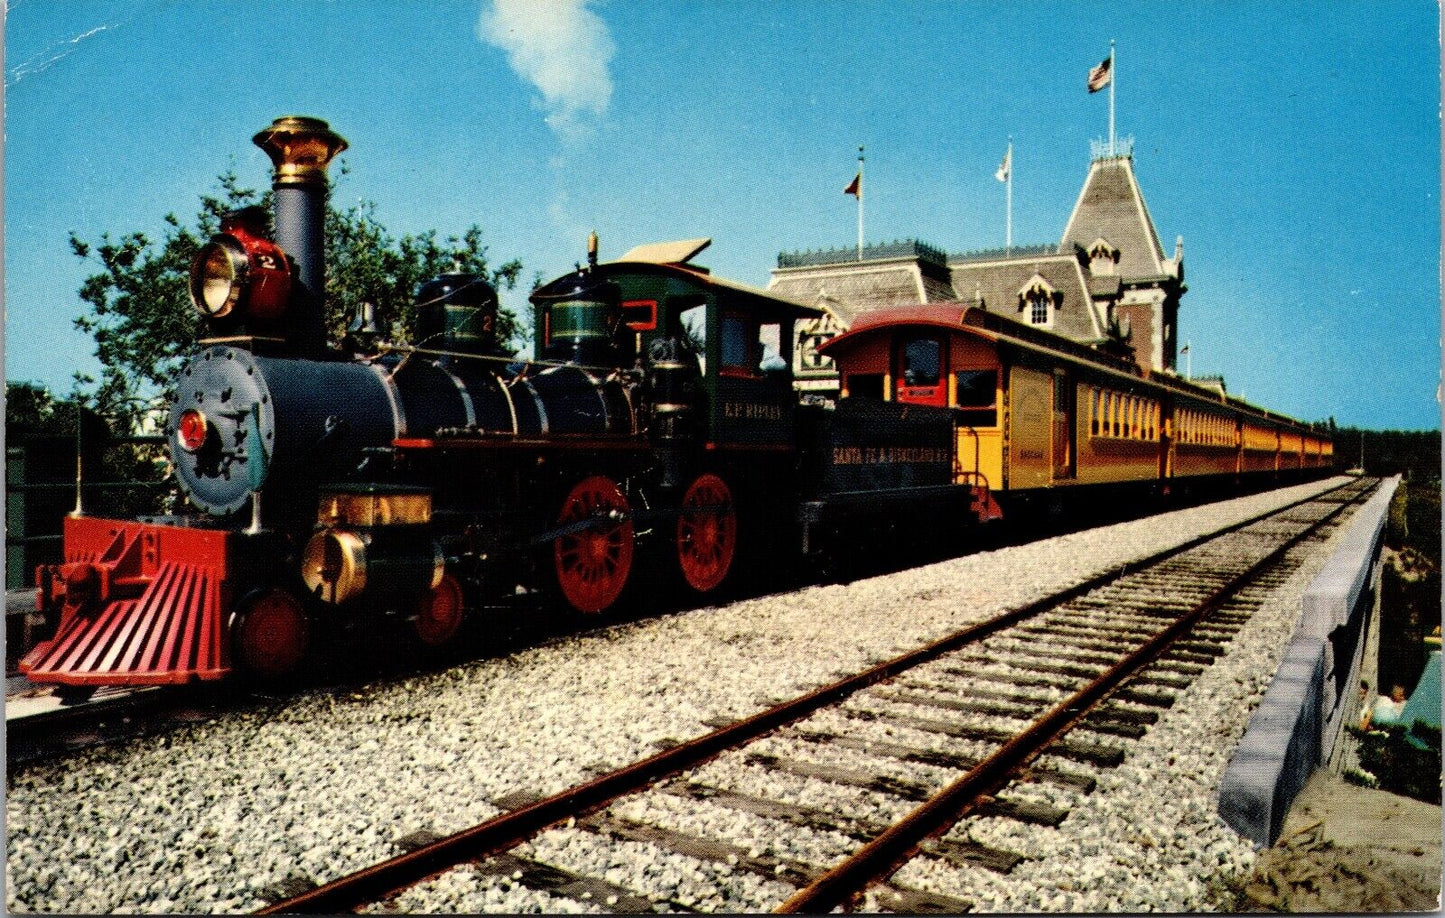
x: 938, y: 315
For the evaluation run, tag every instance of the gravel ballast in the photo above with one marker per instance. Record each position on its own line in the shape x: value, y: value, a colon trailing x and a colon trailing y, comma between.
x: 214, y: 817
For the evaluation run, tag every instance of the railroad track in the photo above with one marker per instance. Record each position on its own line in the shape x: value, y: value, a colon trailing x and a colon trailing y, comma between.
x: 112, y: 715
x: 1010, y: 717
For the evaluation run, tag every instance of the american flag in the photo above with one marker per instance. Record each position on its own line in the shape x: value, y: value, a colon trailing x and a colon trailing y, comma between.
x: 855, y: 186
x: 1100, y: 76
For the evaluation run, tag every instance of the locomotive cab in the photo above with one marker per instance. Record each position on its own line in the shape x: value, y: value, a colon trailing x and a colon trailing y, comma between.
x: 714, y: 350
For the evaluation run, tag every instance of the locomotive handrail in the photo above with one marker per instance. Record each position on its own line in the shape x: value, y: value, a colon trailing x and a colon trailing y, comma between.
x: 977, y: 472
x: 410, y: 349
x: 67, y: 485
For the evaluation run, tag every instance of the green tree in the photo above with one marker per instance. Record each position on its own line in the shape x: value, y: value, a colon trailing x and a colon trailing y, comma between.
x: 29, y: 405
x: 143, y: 324
x: 43, y: 427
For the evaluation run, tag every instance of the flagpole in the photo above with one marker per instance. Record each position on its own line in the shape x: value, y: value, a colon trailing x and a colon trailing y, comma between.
x: 860, y: 202
x: 1008, y: 230
x: 1113, y: 78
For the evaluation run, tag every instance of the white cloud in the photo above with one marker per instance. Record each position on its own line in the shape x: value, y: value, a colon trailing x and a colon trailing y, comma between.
x: 562, y: 48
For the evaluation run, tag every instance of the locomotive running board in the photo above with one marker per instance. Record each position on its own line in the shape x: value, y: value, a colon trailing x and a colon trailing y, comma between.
x: 170, y: 633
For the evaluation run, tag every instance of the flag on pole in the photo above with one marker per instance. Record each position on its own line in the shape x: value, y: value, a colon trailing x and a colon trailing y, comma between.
x: 1005, y: 167
x: 1102, y: 75
x: 855, y: 187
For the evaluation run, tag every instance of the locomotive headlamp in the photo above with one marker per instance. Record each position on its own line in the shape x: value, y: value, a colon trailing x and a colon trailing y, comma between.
x: 216, y: 277
x: 191, y: 430
x: 239, y: 272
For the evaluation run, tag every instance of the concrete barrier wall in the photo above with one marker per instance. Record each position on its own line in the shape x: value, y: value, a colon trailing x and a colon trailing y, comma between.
x: 1303, y: 712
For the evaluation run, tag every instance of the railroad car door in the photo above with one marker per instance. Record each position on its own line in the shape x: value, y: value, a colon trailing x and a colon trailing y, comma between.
x: 1064, y: 432
x: 1029, y: 428
x: 921, y: 372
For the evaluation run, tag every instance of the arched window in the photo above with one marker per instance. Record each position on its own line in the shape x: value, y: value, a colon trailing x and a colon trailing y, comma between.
x: 1037, y: 300
x: 1038, y: 306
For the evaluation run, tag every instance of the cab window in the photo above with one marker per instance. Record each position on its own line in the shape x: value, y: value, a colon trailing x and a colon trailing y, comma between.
x: 693, y: 327
x: 748, y: 347
x: 736, y: 343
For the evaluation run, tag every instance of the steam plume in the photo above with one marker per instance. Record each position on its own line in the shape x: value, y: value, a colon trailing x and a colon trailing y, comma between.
x: 562, y: 48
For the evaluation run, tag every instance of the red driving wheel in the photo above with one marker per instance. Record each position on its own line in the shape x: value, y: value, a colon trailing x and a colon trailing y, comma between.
x: 269, y: 633
x: 593, y: 563
x: 707, y: 533
x: 439, y: 613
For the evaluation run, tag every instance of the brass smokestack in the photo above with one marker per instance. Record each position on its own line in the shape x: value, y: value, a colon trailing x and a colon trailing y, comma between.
x: 301, y: 148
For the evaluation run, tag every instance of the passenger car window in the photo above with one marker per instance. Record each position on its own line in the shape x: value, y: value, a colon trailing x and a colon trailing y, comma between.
x: 977, y: 392
x: 866, y: 385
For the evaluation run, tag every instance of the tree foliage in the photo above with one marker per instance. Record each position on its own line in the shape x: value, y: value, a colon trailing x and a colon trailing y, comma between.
x: 143, y: 324
x: 1412, y: 453
x: 43, y: 427
x: 30, y: 406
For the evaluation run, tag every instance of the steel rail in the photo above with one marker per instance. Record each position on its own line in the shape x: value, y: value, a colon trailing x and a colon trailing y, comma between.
x: 883, y: 855
x: 505, y: 830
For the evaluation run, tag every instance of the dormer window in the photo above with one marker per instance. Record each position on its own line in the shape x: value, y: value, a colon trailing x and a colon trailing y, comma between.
x: 1103, y: 257
x: 1038, y: 300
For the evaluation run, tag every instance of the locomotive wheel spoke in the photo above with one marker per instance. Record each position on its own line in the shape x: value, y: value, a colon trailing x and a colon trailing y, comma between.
x: 592, y: 566
x: 707, y: 533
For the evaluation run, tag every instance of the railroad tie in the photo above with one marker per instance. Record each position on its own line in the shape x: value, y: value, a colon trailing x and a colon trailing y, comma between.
x: 819, y: 820
x: 735, y: 856
x: 1021, y: 811
x: 1084, y: 784
x: 1079, y: 751
x: 847, y: 777
x: 783, y: 870
x: 1149, y: 699
x: 1091, y: 721
x: 547, y: 878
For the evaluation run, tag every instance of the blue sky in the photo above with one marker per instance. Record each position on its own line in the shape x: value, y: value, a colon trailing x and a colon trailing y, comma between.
x: 1295, y: 147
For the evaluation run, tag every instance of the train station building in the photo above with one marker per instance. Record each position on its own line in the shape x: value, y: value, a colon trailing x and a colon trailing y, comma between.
x: 1107, y: 283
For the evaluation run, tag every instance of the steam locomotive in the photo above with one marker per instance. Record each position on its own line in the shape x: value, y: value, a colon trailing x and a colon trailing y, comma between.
x: 434, y: 479
x: 657, y: 428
